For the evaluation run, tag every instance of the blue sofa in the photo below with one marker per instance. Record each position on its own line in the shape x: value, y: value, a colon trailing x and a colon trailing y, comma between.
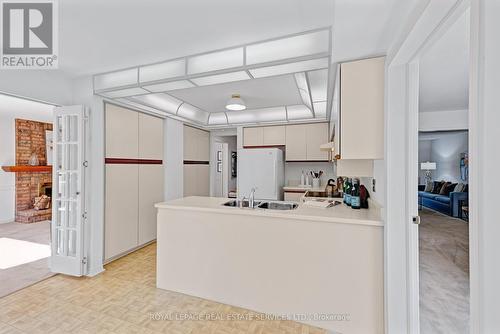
x: 449, y: 205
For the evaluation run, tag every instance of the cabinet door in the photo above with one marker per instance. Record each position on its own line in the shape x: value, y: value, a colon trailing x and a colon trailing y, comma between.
x: 293, y: 196
x: 189, y: 180
x: 122, y: 132
x: 362, y: 109
x: 253, y: 136
x: 150, y: 137
x: 190, y: 140
x: 296, y: 147
x: 202, y: 180
x: 121, y: 209
x: 274, y: 135
x: 203, y: 146
x: 317, y: 134
x: 150, y: 193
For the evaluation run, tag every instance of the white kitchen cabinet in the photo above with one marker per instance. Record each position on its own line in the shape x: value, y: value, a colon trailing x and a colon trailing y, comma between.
x: 316, y: 135
x: 253, y: 136
x: 294, y: 196
x: 303, y: 142
x: 151, y: 137
x: 296, y: 145
x: 196, y: 180
x: 121, y: 213
x: 122, y: 132
x: 274, y: 135
x: 196, y: 144
x: 134, y: 179
x: 362, y: 109
x: 150, y: 192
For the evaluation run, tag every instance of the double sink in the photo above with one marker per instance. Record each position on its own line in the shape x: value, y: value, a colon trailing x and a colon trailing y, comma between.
x: 262, y: 205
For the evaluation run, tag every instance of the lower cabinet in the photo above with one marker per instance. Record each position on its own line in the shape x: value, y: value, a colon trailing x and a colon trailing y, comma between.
x: 122, y: 210
x: 150, y: 192
x: 196, y: 180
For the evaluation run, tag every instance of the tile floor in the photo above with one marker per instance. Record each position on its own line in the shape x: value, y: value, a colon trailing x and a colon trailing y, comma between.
x: 444, y: 274
x: 123, y: 300
x: 18, y: 277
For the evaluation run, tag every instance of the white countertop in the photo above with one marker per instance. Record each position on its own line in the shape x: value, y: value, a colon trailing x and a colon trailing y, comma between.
x: 337, y: 214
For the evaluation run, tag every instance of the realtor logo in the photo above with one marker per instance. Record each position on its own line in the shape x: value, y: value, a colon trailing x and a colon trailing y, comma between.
x: 29, y: 34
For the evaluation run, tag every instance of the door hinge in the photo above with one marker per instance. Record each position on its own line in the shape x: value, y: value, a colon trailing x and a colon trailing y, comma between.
x: 85, y: 163
x: 84, y: 215
x: 416, y: 220
x: 84, y: 260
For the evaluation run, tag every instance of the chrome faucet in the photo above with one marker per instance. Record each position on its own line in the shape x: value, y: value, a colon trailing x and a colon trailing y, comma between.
x: 251, y: 198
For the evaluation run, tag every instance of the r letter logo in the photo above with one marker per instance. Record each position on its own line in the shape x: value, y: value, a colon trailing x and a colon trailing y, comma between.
x: 29, y: 34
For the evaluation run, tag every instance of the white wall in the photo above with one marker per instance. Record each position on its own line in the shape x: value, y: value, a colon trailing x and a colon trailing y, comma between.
x: 10, y: 109
x: 293, y: 171
x: 424, y: 154
x: 445, y: 151
x: 174, y: 159
x: 448, y: 120
x: 45, y: 85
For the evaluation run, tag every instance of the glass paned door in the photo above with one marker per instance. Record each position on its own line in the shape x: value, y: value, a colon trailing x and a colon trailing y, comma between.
x: 68, y: 191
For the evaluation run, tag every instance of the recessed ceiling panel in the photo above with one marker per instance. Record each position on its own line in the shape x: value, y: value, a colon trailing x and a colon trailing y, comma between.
x: 168, y: 86
x: 169, y: 69
x: 215, y: 61
x: 261, y: 93
x: 160, y: 101
x: 298, y: 112
x: 320, y: 109
x: 290, y: 47
x: 257, y: 115
x: 318, y: 82
x: 217, y: 118
x: 115, y: 79
x: 193, y: 113
x: 301, y: 66
x: 125, y: 92
x: 221, y: 78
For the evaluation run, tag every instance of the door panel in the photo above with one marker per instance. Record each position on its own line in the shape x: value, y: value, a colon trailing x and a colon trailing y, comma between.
x: 121, y: 212
x: 274, y: 135
x: 253, y: 136
x: 122, y: 132
x: 189, y: 180
x: 317, y: 134
x: 203, y: 146
x: 150, y: 137
x: 150, y: 193
x: 296, y: 146
x: 202, y: 187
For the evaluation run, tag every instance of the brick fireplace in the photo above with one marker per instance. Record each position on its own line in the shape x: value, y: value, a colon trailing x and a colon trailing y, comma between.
x: 30, y: 139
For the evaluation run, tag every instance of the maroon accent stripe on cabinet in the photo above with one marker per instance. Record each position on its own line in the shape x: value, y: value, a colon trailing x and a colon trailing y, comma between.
x: 193, y: 162
x: 126, y: 161
x: 296, y: 191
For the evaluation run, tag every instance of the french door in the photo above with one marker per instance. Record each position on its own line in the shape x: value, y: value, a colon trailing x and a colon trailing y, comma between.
x: 68, y: 212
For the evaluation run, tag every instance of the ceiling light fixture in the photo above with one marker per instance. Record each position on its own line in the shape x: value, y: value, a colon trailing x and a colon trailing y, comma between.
x: 235, y: 103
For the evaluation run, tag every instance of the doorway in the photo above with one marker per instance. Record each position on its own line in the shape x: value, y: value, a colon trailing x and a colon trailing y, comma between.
x: 223, y: 161
x: 26, y: 146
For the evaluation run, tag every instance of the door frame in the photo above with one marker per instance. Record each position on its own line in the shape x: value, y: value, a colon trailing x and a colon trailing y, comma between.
x: 427, y: 24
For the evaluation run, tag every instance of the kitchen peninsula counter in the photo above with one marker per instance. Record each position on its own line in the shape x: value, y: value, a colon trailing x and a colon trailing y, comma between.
x: 323, y: 265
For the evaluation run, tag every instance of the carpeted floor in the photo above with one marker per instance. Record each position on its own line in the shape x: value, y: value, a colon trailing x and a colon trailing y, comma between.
x: 21, y: 276
x: 444, y: 274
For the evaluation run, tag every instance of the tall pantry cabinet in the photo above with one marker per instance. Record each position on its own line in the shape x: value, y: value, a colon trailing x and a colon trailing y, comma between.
x: 134, y: 179
x: 196, y: 162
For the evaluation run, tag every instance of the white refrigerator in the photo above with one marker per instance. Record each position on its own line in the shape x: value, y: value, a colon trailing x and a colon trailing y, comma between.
x: 262, y: 169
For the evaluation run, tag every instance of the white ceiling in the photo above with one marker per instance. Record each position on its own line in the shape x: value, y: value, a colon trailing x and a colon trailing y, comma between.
x: 98, y: 36
x: 258, y: 93
x: 444, y: 71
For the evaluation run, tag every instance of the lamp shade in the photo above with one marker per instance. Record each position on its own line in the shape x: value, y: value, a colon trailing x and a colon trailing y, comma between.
x: 428, y: 165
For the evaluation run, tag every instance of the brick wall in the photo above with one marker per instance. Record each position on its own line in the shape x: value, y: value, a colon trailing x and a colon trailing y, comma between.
x: 30, y: 138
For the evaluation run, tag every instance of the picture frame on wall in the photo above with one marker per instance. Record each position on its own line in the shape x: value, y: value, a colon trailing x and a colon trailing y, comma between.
x: 219, y: 167
x: 219, y: 155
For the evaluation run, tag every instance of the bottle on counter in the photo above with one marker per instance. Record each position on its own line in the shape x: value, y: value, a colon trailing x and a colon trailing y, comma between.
x: 355, y: 198
x: 347, y: 192
x: 303, y: 179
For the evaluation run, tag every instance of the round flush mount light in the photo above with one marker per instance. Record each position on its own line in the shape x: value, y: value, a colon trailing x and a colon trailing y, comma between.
x: 235, y: 103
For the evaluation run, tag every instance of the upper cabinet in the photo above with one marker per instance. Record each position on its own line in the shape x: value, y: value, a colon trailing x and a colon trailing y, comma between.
x: 361, y: 110
x: 151, y: 137
x: 196, y: 144
x: 122, y: 132
x: 303, y: 142
x: 264, y: 136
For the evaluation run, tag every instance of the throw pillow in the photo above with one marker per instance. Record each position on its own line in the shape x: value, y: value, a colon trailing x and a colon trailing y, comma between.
x: 445, y: 185
x: 459, y: 188
x: 449, y: 189
x: 428, y: 186
x: 437, y: 187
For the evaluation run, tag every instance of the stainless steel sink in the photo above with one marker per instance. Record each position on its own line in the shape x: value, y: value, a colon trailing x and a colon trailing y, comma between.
x: 278, y: 205
x: 236, y: 203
